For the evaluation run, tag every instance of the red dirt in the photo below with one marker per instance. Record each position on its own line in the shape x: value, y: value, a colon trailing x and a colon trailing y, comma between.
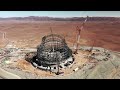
x: 29, y: 33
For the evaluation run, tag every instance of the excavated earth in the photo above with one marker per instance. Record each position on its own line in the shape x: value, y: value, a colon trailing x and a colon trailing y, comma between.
x: 98, y: 64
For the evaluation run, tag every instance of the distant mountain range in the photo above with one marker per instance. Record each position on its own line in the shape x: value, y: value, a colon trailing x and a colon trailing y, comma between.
x: 36, y: 18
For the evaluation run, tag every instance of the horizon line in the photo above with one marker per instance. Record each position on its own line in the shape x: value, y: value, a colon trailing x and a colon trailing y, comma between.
x: 57, y: 17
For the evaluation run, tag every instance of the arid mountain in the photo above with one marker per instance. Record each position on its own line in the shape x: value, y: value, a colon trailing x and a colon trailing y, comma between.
x: 36, y: 18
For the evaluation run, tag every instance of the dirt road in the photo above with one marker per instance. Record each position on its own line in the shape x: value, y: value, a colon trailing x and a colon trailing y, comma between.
x: 7, y: 75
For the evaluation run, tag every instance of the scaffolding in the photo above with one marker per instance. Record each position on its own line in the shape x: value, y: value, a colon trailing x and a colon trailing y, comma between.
x: 52, y: 46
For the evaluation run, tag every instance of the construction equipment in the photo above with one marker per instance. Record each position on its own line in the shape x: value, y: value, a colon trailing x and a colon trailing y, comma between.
x: 3, y: 35
x: 79, y: 29
x: 92, y: 46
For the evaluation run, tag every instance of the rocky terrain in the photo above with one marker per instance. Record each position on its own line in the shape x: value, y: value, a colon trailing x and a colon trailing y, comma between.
x: 98, y: 64
x: 27, y: 34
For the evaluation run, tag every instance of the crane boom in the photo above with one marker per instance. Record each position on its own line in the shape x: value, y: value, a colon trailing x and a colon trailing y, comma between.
x: 79, y: 29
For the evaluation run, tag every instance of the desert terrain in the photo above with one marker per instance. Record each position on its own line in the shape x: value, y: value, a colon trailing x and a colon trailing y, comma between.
x: 29, y: 33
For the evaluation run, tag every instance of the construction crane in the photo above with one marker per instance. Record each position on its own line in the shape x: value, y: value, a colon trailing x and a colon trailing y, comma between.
x: 52, y: 38
x: 59, y: 57
x: 92, y: 46
x: 4, y: 38
x: 3, y: 35
x: 79, y: 29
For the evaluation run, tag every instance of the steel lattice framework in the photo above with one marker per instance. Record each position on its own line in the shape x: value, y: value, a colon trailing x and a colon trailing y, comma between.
x: 53, y: 48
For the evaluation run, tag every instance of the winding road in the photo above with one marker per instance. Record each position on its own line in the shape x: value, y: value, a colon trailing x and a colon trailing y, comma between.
x: 5, y: 74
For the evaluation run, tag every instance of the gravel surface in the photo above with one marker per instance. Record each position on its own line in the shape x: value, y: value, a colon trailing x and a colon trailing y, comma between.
x: 106, y: 66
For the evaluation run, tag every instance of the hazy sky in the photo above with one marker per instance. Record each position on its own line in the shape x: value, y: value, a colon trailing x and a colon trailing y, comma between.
x: 59, y: 13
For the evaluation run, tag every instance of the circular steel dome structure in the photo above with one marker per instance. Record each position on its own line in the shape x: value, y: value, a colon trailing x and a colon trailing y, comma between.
x: 52, y: 49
